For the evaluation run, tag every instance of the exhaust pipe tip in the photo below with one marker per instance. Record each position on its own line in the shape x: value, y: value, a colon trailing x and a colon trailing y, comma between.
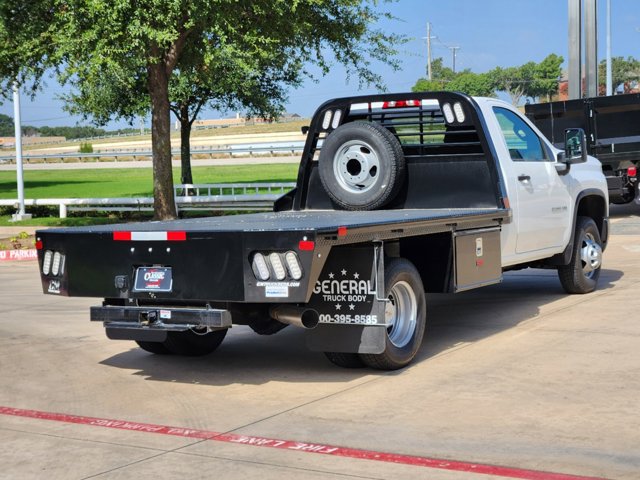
x: 310, y: 318
x: 298, y: 316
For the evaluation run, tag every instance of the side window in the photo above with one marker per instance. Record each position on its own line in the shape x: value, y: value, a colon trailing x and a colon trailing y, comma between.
x: 523, y: 143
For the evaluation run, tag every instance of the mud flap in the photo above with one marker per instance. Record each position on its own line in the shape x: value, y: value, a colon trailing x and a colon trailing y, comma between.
x: 347, y: 338
x: 350, y: 300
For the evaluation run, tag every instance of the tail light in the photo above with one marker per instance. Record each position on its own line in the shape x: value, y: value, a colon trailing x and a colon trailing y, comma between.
x: 276, y: 266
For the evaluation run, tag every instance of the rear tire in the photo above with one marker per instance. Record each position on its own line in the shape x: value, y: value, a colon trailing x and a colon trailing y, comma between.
x: 345, y: 360
x: 157, y: 348
x: 582, y: 273
x: 406, y: 313
x: 193, y: 344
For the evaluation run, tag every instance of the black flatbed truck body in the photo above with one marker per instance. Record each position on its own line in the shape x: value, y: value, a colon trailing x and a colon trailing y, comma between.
x: 612, y: 127
x: 209, y: 263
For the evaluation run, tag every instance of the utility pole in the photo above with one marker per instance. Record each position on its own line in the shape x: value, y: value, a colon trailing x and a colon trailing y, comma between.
x: 453, y: 51
x: 21, y: 215
x: 591, y: 47
x: 609, y: 74
x: 428, y: 51
x: 575, y: 49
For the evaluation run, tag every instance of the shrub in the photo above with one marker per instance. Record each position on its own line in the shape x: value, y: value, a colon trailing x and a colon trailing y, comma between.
x: 86, y: 148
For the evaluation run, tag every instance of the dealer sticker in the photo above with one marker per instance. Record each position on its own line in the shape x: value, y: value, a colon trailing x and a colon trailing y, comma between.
x: 276, y: 290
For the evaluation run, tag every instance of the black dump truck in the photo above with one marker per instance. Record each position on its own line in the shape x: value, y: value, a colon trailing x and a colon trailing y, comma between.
x: 612, y: 125
x: 396, y: 195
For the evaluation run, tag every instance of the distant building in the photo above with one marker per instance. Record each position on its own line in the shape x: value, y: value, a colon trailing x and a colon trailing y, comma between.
x: 626, y: 87
x: 10, y: 142
x: 239, y: 121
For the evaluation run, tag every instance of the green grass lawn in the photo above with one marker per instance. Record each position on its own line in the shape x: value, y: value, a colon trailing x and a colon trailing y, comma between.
x: 131, y: 182
x: 126, y: 182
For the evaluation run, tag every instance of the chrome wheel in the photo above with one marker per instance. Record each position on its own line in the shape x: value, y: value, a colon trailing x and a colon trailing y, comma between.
x: 401, y: 313
x: 590, y: 255
x: 356, y: 166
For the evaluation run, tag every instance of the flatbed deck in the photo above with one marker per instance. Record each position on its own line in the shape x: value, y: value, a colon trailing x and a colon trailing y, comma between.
x: 319, y: 221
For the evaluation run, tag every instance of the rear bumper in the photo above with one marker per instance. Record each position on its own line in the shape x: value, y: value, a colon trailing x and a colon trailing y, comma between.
x: 160, y: 319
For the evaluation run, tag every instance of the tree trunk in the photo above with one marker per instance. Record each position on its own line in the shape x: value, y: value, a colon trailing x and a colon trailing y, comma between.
x: 164, y: 206
x: 185, y: 146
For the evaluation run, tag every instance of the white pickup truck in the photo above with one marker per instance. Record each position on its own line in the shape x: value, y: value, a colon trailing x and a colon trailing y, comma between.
x: 396, y: 195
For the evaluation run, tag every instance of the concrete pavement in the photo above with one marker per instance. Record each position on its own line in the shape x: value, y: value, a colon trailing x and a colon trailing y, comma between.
x: 518, y: 375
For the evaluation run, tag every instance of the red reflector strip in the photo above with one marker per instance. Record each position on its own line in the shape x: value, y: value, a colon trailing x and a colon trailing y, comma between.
x: 342, y: 231
x: 39, y: 245
x: 306, y: 245
x: 177, y: 236
x: 632, y: 171
x: 122, y: 236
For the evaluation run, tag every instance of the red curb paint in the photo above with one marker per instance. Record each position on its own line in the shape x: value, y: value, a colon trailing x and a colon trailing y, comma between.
x: 15, y: 255
x: 318, y: 448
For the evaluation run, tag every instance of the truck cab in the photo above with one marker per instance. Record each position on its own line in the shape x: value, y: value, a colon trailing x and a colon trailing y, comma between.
x: 545, y: 191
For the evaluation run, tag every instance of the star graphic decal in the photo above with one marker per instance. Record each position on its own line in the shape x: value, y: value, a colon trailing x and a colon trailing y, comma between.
x: 331, y: 275
x: 356, y: 275
x: 352, y: 307
x: 343, y: 272
x: 338, y: 306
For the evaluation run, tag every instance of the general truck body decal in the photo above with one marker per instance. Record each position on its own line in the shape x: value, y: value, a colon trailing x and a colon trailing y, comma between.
x: 346, y: 290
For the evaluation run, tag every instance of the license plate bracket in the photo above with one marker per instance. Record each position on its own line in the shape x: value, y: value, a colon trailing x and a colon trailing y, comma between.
x: 153, y: 279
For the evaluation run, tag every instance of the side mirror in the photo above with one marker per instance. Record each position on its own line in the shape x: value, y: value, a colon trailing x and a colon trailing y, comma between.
x: 575, y: 146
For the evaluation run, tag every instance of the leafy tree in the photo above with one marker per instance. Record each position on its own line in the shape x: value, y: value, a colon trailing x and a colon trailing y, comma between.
x: 623, y: 71
x: 146, y: 42
x: 6, y: 126
x: 515, y: 81
x: 529, y: 80
x: 440, y: 77
x: 440, y: 72
x: 478, y: 84
x: 547, y: 76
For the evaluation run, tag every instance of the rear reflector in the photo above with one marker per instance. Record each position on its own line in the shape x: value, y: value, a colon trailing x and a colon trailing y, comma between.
x: 306, y: 245
x: 176, y: 236
x: 342, y: 231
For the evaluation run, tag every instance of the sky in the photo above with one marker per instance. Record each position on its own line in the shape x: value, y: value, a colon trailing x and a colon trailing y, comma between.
x: 489, y: 33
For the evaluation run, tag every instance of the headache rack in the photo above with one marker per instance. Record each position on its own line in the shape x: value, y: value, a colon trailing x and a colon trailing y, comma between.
x: 451, y: 163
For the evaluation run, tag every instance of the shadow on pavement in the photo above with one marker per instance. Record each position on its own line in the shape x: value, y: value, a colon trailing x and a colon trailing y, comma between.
x: 247, y: 358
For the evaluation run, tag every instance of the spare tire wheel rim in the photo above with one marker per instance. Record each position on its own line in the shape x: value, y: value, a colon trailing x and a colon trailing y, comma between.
x: 356, y: 166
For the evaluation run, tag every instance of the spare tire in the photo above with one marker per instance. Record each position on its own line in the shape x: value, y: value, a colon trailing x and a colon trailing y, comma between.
x: 361, y: 166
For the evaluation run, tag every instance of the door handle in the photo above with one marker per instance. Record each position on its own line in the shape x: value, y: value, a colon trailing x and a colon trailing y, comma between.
x: 524, y: 178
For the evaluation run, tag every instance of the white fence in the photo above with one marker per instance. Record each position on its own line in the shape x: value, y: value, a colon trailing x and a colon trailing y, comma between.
x: 213, y: 197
